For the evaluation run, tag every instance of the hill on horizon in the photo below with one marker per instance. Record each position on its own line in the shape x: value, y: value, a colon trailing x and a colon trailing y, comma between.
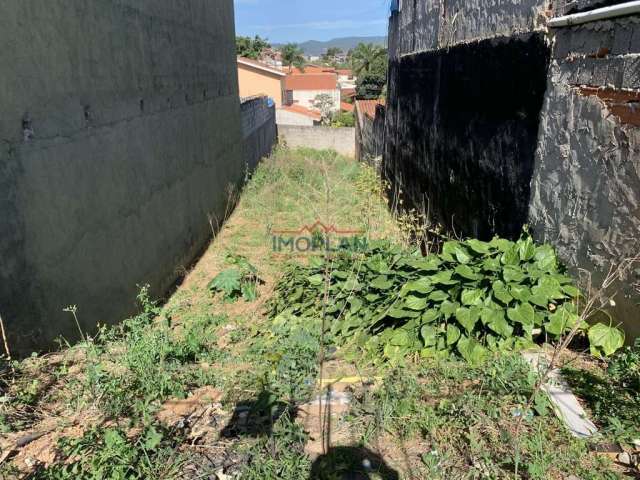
x: 317, y: 48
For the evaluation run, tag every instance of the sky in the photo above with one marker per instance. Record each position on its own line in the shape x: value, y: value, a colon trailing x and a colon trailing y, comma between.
x: 284, y: 21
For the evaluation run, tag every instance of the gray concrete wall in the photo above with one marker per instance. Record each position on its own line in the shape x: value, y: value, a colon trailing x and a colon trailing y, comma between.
x: 586, y: 184
x: 120, y: 134
x: 342, y: 140
x: 259, y: 131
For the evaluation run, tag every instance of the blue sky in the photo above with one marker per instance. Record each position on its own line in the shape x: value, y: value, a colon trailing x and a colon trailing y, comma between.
x: 300, y: 20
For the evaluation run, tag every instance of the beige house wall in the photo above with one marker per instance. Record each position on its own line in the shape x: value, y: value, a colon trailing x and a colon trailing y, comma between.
x: 253, y: 81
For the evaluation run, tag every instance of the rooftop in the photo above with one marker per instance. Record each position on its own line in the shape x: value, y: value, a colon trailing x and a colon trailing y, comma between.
x: 260, y: 66
x: 302, y: 111
x: 312, y: 81
x: 368, y: 107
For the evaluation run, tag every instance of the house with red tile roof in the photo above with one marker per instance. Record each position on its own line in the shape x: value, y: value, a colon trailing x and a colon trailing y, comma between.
x: 257, y: 78
x: 303, y: 89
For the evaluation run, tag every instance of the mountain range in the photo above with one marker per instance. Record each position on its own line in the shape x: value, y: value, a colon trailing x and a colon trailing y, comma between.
x: 317, y: 48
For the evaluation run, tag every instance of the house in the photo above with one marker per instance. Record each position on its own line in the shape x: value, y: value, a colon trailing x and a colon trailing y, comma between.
x: 257, y: 78
x: 297, y: 115
x: 303, y: 89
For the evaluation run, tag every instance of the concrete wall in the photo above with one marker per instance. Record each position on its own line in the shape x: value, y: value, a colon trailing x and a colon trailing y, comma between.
x: 285, y: 117
x: 342, y: 140
x: 259, y: 132
x: 120, y: 134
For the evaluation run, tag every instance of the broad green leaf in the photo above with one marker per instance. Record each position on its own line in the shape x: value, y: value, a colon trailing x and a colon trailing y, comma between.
x: 467, y: 272
x: 491, y: 264
x: 477, y: 246
x: 500, y: 325
x: 227, y: 281
x: 526, y: 249
x: 472, y: 297
x: 522, y: 313
x: 356, y: 304
x: 429, y: 335
x: 449, y: 250
x: 513, y: 274
x: 501, y: 244
x: 511, y: 257
x: 520, y: 292
x: 381, y: 282
x: 605, y: 339
x: 453, y: 334
x: 422, y: 285
x: 501, y: 293
x: 152, y: 439
x: 448, y: 308
x: 430, y: 316
x: 548, y: 287
x: 462, y: 255
x: 400, y: 338
x: 400, y: 313
x: 471, y: 350
x: 340, y: 275
x: 468, y: 317
x: 415, y: 303
x: 316, y: 279
x: 545, y: 258
x: 438, y: 296
x: 427, y: 264
x: 571, y: 291
x: 539, y: 300
x: 443, y: 278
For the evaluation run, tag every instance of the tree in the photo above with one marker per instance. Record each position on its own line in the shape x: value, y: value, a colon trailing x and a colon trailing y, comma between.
x: 369, y: 58
x: 292, y: 56
x: 330, y: 57
x: 251, y: 47
x: 370, y: 86
x: 325, y: 103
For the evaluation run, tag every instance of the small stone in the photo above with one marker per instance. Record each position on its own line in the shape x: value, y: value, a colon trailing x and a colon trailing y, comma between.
x: 636, y: 443
x: 624, y: 458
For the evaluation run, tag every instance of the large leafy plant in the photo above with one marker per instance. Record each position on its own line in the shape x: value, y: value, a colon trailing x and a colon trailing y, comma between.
x: 240, y: 281
x: 471, y: 299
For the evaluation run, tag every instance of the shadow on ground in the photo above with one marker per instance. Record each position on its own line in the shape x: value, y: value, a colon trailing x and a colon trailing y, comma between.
x: 351, y: 463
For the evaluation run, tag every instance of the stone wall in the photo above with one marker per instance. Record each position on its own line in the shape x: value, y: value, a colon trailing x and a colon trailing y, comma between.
x: 342, y: 140
x: 120, y: 136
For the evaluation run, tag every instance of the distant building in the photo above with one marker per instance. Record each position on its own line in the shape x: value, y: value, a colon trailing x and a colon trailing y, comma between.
x: 257, y: 78
x: 302, y: 90
x: 297, y: 115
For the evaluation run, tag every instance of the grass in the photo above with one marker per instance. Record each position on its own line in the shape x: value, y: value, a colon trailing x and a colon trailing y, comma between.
x: 127, y: 403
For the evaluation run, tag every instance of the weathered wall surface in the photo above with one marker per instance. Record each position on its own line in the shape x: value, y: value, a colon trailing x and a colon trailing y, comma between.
x: 259, y: 130
x: 120, y: 133
x: 489, y: 128
x: 370, y: 137
x: 463, y: 131
x: 429, y: 25
x: 586, y: 184
x: 342, y: 140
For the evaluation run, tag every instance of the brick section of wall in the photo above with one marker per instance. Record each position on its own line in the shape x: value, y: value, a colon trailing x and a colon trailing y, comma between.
x: 120, y: 134
x: 342, y: 140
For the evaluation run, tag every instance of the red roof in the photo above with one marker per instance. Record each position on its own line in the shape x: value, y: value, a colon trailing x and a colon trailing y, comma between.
x: 312, y: 81
x: 302, y: 111
x: 368, y: 107
x: 348, y: 92
x: 347, y: 107
x: 307, y: 69
x: 344, y: 71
